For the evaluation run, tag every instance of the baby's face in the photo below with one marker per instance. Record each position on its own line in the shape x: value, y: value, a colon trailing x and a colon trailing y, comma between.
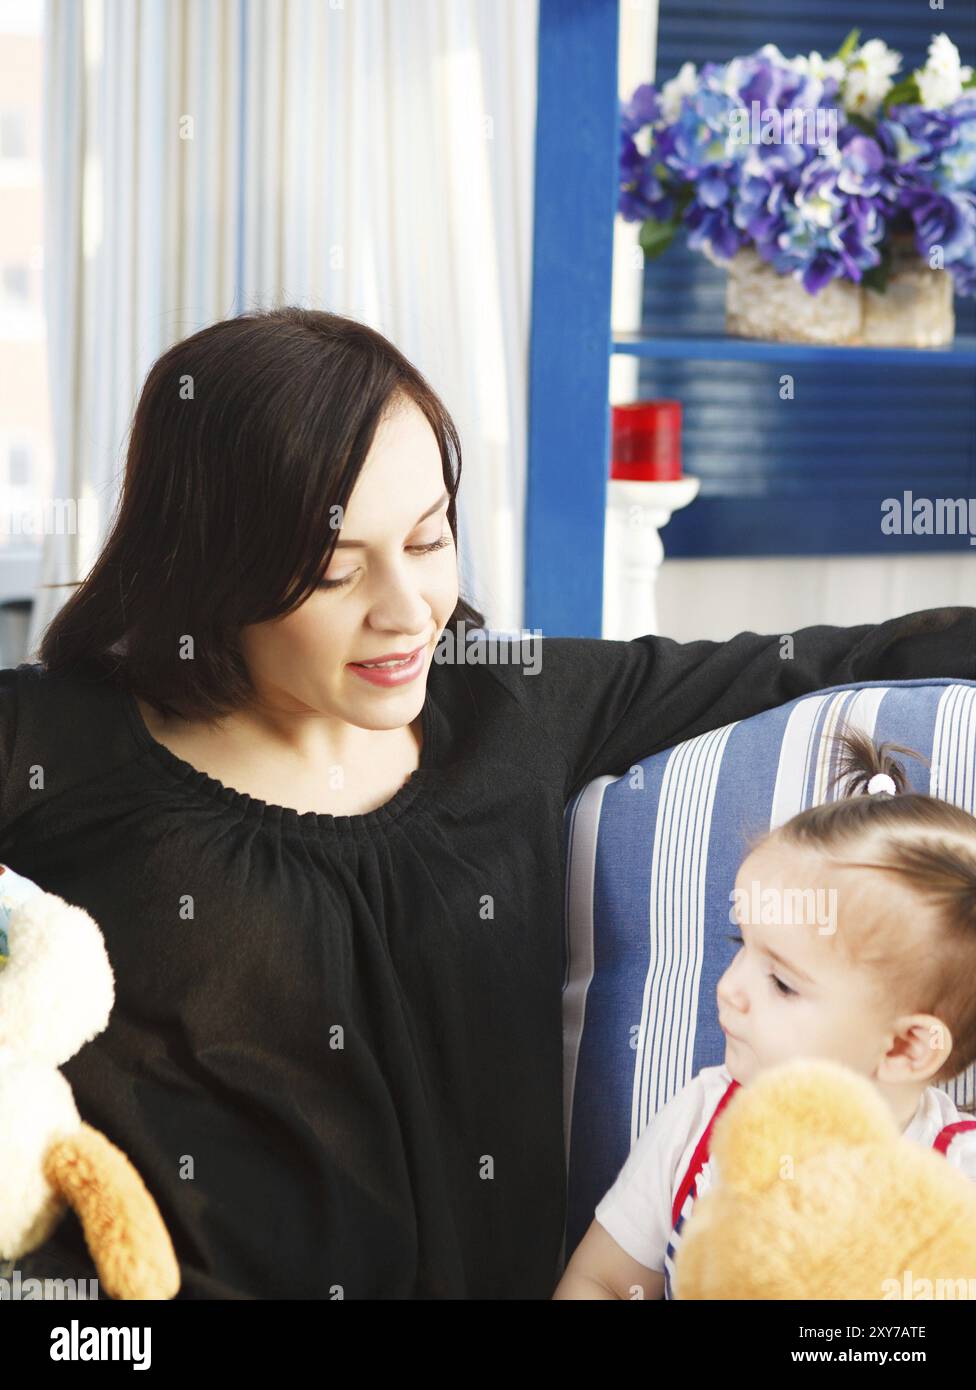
x: 790, y: 991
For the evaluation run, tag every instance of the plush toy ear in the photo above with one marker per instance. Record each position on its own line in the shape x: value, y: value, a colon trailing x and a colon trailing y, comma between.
x: 781, y: 1118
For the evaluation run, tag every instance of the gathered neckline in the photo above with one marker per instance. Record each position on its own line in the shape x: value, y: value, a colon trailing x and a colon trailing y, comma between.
x: 284, y: 818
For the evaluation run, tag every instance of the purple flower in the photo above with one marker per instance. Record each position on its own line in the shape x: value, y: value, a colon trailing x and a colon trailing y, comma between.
x: 931, y: 160
x: 642, y: 193
x: 824, y: 231
x: 862, y: 162
x: 643, y: 109
x: 713, y: 227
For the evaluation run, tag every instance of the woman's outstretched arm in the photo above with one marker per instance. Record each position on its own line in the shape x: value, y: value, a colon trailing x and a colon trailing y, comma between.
x: 607, y: 704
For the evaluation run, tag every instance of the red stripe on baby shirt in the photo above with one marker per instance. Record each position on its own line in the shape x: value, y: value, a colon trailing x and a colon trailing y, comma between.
x: 946, y: 1136
x: 700, y: 1155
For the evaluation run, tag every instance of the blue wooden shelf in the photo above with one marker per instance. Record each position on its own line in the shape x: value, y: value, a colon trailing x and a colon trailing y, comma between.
x: 960, y: 354
x: 796, y: 476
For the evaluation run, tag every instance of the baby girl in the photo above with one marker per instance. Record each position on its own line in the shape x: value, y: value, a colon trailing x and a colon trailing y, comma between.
x: 885, y: 987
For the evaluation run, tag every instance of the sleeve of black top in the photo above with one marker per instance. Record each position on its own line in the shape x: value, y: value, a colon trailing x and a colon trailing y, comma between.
x: 607, y: 704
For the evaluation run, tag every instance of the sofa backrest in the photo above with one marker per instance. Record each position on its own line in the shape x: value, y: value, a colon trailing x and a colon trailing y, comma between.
x: 651, y: 861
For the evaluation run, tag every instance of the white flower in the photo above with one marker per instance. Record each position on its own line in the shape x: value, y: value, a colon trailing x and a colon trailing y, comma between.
x: 819, y: 68
x: 735, y: 75
x: 940, y: 81
x: 683, y: 85
x: 869, y: 73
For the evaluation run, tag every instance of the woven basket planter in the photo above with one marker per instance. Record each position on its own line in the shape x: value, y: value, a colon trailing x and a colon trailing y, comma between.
x: 915, y: 310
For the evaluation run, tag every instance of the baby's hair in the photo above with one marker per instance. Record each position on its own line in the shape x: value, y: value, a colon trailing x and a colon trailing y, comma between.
x: 930, y: 845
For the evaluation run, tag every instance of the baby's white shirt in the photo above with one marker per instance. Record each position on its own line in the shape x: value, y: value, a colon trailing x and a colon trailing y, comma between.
x: 636, y: 1210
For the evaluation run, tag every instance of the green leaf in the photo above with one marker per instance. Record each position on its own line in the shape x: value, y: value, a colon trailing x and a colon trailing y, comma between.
x: 862, y: 123
x: 656, y: 237
x: 970, y: 82
x: 848, y: 46
x: 904, y: 93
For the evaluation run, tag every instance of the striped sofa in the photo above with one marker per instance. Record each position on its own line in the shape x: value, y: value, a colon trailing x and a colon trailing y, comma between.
x: 651, y: 860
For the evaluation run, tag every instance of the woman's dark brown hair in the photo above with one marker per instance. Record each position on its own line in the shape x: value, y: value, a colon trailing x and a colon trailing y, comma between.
x: 927, y: 844
x: 245, y: 438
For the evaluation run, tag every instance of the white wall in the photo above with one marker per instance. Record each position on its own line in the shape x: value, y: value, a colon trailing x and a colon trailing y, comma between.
x: 718, y: 598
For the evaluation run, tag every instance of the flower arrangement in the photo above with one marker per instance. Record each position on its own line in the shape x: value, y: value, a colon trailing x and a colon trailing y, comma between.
x: 818, y: 164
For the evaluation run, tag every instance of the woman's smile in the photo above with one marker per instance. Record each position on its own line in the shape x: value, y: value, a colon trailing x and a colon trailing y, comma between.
x: 402, y: 673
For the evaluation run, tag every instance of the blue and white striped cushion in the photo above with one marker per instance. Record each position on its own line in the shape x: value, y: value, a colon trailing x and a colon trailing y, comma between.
x: 651, y: 859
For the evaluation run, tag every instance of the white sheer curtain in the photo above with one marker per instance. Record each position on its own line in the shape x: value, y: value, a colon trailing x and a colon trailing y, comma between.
x: 371, y: 157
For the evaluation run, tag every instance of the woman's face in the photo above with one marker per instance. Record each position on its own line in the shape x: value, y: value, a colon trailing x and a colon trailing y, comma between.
x: 396, y: 596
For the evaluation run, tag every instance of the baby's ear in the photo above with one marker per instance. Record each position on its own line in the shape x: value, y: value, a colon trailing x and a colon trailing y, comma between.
x: 791, y: 1112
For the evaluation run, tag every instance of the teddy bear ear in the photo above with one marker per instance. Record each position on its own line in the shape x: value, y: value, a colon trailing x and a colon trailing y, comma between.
x: 791, y: 1112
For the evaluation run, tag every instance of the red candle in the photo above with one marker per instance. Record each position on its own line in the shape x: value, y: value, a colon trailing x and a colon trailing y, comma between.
x: 646, y: 441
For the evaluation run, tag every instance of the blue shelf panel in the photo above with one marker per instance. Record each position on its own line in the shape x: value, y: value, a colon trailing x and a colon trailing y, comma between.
x: 719, y: 348
x: 810, y: 523
x: 805, y: 476
x: 808, y: 476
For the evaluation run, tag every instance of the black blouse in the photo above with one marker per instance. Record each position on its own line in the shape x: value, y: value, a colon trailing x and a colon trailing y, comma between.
x: 335, y: 1052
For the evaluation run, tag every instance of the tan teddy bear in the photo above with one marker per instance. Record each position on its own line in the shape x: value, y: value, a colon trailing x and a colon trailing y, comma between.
x: 816, y: 1195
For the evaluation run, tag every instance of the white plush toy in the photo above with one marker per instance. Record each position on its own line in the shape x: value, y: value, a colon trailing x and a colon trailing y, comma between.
x: 56, y: 994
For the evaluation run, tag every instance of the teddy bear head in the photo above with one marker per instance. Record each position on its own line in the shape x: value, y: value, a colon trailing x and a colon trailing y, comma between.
x: 817, y: 1195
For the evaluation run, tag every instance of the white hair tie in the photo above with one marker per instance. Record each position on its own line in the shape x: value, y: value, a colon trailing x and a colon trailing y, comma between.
x: 882, y: 782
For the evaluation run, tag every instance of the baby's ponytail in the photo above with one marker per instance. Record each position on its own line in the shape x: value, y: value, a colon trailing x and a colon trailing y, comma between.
x: 861, y: 760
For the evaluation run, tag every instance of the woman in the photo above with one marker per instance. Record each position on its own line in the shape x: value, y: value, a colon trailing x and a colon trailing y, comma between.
x: 332, y: 897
